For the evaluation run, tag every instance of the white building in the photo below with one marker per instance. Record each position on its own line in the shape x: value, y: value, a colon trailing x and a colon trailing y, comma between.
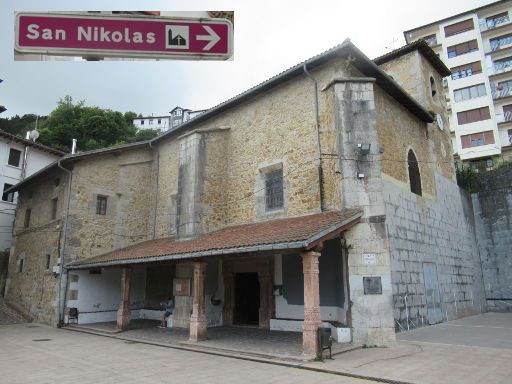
x: 477, y: 46
x: 177, y: 116
x: 20, y: 158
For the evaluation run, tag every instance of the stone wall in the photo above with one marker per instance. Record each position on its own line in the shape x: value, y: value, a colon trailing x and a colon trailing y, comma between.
x: 440, y: 231
x: 31, y: 285
x: 493, y: 217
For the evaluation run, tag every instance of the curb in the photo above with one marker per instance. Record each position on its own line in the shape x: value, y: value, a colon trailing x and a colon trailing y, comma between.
x: 241, y: 356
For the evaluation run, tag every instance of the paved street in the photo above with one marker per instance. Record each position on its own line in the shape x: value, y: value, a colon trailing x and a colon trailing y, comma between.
x: 34, y: 353
x: 472, y: 350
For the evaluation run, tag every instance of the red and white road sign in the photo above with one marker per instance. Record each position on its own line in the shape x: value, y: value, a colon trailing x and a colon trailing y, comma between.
x: 116, y: 36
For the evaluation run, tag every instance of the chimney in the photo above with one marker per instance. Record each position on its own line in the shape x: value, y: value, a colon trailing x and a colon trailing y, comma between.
x: 73, y: 147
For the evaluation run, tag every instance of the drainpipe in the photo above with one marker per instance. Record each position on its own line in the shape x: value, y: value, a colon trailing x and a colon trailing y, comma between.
x: 156, y: 188
x: 62, y: 303
x: 318, y: 151
x: 25, y: 158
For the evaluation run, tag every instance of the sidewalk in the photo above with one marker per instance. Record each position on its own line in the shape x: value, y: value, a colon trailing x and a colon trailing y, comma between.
x: 473, y: 350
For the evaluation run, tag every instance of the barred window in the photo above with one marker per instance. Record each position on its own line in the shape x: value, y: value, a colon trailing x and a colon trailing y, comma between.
x: 101, y: 205
x: 274, y: 190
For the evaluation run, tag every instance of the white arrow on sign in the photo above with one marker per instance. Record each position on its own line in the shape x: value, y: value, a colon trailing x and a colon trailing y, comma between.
x: 212, y: 37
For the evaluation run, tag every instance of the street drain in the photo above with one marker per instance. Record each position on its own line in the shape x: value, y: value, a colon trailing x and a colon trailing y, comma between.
x: 41, y: 340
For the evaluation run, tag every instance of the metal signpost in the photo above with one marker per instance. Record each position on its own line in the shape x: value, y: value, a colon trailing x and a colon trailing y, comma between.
x: 123, y: 36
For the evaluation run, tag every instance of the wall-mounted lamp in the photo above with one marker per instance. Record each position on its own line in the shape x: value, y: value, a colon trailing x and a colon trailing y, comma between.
x: 364, y: 149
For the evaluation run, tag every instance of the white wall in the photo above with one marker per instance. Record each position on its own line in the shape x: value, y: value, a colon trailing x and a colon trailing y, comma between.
x: 99, y: 295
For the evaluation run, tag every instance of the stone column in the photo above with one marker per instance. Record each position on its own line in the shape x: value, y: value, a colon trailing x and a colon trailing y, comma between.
x: 227, y: 312
x: 198, y: 320
x: 123, y: 313
x: 311, y: 303
x: 264, y: 313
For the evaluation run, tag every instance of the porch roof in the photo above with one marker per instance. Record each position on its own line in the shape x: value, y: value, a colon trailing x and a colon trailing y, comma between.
x: 296, y: 233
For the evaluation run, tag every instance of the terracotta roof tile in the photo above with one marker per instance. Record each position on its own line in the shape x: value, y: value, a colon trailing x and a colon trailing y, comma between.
x: 290, y: 233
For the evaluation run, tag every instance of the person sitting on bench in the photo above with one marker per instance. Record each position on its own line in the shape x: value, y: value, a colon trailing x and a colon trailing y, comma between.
x: 168, y: 304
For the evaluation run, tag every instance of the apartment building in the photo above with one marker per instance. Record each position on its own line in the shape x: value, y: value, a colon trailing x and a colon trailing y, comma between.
x: 177, y: 116
x: 476, y: 46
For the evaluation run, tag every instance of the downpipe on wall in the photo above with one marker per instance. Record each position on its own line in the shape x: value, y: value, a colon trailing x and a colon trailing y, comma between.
x: 318, y: 149
x: 61, y: 306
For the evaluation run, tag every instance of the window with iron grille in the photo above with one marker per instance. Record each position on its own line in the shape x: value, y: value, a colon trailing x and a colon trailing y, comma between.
x: 503, y: 64
x: 496, y: 20
x: 414, y: 173
x: 101, y: 205
x: 500, y: 41
x: 274, y: 190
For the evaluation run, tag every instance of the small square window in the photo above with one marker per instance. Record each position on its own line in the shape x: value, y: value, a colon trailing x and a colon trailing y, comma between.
x: 101, y: 205
x: 14, y: 157
x: 8, y: 196
x: 274, y: 190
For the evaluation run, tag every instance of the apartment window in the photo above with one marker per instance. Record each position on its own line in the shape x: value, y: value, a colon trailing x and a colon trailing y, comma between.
x: 466, y: 70
x: 473, y: 115
x: 496, y: 20
x: 469, y: 92
x: 507, y: 112
x: 462, y: 48
x: 500, y: 41
x: 142, y: 122
x: 414, y: 173
x: 159, y: 121
x: 179, y: 112
x: 274, y: 198
x: 26, y: 222
x: 477, y: 139
x: 463, y: 26
x: 54, y: 208
x: 47, y: 262
x: 150, y: 122
x: 14, y: 157
x: 8, y: 196
x: 431, y: 40
x: 503, y: 64
x: 175, y: 123
x: 101, y: 205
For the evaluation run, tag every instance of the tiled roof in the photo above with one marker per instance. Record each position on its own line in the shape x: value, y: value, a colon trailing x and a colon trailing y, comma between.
x: 302, y: 232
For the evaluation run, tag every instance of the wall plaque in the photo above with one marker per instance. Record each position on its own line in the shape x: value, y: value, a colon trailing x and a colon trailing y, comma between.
x: 372, y: 285
x: 181, y: 287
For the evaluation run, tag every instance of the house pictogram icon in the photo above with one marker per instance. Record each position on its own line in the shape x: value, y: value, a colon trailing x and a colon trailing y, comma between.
x: 176, y: 40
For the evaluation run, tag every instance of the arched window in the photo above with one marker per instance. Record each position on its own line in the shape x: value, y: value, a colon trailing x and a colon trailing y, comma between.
x: 414, y: 173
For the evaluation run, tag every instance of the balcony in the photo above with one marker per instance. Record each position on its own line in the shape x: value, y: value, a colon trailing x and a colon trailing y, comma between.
x: 500, y: 92
x: 488, y: 25
x: 503, y: 118
x: 500, y: 43
x: 501, y: 67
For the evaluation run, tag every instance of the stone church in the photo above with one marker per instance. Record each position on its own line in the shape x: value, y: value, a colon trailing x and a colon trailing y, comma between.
x: 324, y: 196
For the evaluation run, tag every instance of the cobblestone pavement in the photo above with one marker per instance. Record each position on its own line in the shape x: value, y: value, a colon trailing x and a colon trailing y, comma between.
x: 243, y: 339
x: 40, y: 354
x: 8, y: 315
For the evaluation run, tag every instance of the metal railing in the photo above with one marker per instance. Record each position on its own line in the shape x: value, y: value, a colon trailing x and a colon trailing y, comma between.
x: 500, y: 92
x: 486, y: 25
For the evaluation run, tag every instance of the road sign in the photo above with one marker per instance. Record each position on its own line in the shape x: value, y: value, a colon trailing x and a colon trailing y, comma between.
x: 123, y: 36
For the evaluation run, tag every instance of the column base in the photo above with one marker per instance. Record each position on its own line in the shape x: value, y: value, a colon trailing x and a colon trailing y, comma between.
x: 123, y: 319
x: 310, y: 345
x: 198, y: 329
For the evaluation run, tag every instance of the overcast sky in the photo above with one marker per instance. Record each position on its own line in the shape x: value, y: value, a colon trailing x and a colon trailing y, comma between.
x: 270, y: 36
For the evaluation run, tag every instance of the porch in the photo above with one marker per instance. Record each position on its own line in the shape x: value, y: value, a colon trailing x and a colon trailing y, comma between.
x: 247, y: 341
x: 267, y: 276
